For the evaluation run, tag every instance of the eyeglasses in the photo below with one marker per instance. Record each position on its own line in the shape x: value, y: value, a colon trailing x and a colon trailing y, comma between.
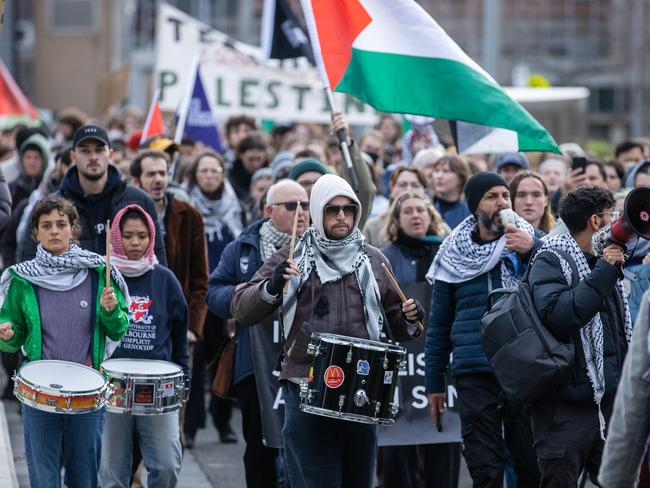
x: 349, y: 210
x: 614, y: 213
x: 291, y: 206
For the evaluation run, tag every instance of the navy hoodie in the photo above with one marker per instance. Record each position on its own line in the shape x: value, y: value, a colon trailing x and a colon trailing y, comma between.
x: 158, y: 319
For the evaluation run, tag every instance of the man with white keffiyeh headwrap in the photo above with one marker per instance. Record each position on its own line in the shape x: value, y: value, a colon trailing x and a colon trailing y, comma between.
x: 580, y: 298
x: 336, y: 285
x: 480, y: 255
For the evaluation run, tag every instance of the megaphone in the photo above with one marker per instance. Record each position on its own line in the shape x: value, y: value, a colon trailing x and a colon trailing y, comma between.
x: 635, y: 221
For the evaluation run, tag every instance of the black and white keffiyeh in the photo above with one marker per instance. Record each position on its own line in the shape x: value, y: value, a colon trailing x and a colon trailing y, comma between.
x: 219, y: 213
x: 271, y: 239
x: 332, y: 260
x: 59, y: 273
x: 591, y: 335
x: 460, y: 259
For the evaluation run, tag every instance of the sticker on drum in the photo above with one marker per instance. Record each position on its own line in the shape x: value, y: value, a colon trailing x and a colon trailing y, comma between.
x: 388, y: 377
x: 363, y: 367
x: 334, y: 377
x: 143, y: 394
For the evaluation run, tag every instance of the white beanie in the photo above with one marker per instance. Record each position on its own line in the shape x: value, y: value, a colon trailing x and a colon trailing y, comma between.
x: 326, y: 188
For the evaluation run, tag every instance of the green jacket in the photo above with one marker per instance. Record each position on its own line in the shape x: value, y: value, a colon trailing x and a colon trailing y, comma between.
x: 21, y: 309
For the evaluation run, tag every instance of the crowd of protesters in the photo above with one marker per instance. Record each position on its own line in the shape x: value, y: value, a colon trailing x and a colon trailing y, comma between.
x: 192, y: 224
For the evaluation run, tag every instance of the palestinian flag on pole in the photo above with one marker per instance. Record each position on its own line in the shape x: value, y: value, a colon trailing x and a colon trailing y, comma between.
x: 392, y: 55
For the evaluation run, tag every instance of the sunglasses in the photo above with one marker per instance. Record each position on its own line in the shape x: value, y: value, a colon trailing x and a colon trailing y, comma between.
x: 349, y: 210
x: 291, y: 206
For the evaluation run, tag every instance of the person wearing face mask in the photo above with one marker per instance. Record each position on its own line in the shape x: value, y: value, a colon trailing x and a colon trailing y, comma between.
x: 480, y: 255
x: 531, y: 201
x: 158, y: 330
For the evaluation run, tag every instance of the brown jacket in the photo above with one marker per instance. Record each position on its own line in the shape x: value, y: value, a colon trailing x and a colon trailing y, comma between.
x: 337, y: 309
x: 187, y: 257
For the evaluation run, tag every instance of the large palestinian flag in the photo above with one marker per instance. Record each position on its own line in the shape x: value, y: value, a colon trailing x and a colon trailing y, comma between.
x: 392, y: 55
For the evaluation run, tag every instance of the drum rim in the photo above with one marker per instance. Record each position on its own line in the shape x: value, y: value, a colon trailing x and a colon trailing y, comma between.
x: 350, y: 417
x: 125, y: 375
x: 59, y: 391
x: 358, y: 341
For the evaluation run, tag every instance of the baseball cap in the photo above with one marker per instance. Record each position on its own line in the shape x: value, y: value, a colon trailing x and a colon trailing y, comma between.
x: 90, y: 132
x: 517, y: 159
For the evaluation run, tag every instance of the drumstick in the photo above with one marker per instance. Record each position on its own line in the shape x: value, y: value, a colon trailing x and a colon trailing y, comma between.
x: 108, y: 253
x: 399, y: 291
x: 294, y: 232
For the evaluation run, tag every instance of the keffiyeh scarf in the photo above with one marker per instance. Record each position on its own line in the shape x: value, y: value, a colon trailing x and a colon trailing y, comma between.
x: 460, y: 259
x: 217, y: 213
x: 332, y: 260
x: 591, y: 335
x: 59, y: 273
x: 271, y: 239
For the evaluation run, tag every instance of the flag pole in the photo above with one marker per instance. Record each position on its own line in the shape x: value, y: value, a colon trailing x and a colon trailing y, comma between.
x: 340, y: 135
x: 318, y: 57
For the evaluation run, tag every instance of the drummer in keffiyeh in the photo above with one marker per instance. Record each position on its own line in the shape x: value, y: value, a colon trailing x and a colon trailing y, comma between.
x: 335, y: 285
x: 58, y: 307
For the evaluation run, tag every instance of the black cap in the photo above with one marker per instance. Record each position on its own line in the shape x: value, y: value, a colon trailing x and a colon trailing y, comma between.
x: 90, y: 132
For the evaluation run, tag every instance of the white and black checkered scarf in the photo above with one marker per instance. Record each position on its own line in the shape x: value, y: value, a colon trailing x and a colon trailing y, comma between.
x: 271, y: 239
x: 59, y: 273
x: 332, y: 260
x: 591, y: 335
x: 461, y: 259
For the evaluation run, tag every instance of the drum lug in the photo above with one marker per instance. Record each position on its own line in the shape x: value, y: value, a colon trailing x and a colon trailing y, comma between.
x: 386, y: 360
x: 360, y: 398
x: 341, y: 403
x: 313, y: 349
x: 402, y: 365
x: 394, y: 408
x: 377, y: 408
x: 305, y: 392
x: 348, y: 358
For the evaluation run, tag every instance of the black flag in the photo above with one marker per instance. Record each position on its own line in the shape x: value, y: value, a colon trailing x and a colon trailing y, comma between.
x: 283, y: 37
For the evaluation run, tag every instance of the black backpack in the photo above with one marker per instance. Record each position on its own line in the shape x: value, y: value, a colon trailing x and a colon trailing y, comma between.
x: 527, y: 360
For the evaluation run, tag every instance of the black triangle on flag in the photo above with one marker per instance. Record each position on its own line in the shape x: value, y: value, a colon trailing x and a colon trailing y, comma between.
x: 282, y: 35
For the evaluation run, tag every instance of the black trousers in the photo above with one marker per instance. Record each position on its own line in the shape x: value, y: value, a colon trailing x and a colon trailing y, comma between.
x: 488, y: 427
x: 567, y: 440
x: 423, y: 466
x: 259, y: 460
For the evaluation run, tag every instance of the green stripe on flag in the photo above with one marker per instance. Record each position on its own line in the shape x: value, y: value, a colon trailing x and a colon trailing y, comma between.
x: 439, y: 88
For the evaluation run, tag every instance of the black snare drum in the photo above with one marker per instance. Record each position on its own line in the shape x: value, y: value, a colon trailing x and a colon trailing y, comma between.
x: 352, y: 379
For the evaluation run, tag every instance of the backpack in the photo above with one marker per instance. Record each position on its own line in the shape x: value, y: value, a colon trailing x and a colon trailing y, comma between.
x: 527, y: 360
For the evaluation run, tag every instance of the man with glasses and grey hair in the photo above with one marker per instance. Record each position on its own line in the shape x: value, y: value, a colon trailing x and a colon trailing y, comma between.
x: 351, y: 296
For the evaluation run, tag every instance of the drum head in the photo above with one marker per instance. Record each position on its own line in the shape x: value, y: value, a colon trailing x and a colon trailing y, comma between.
x: 358, y: 342
x: 61, y: 376
x: 140, y: 366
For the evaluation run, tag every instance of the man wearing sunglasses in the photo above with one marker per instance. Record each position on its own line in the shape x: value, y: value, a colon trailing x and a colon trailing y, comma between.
x: 334, y: 284
x: 239, y: 262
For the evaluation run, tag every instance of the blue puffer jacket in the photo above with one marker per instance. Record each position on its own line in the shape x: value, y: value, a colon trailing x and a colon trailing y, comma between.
x: 454, y: 320
x: 240, y: 260
x: 456, y: 310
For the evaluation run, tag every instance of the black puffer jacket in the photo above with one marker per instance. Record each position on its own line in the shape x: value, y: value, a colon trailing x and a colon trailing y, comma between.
x: 95, y: 209
x: 565, y: 310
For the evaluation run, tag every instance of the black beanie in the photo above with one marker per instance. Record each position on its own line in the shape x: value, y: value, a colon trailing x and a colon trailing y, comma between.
x: 478, y: 185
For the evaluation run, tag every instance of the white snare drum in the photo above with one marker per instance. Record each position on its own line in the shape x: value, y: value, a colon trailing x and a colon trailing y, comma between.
x: 60, y: 387
x: 143, y: 386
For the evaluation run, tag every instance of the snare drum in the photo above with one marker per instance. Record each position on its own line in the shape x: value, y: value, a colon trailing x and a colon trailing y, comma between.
x: 143, y: 386
x: 60, y: 387
x: 352, y: 379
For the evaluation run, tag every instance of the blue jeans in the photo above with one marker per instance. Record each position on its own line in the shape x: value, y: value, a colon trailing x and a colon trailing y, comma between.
x: 74, y: 439
x: 324, y: 452
x: 159, y: 443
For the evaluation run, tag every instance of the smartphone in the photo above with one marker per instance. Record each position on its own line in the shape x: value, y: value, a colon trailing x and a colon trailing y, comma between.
x: 578, y: 162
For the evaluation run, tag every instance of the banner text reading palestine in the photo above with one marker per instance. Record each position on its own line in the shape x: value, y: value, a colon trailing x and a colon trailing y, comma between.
x: 275, y: 95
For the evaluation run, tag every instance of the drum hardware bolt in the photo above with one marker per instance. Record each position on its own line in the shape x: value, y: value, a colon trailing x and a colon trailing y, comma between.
x: 341, y: 402
x: 385, y: 363
x: 394, y: 408
x: 377, y: 407
x: 363, y: 382
x: 360, y: 398
x: 402, y: 365
x: 348, y: 358
x: 305, y: 393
